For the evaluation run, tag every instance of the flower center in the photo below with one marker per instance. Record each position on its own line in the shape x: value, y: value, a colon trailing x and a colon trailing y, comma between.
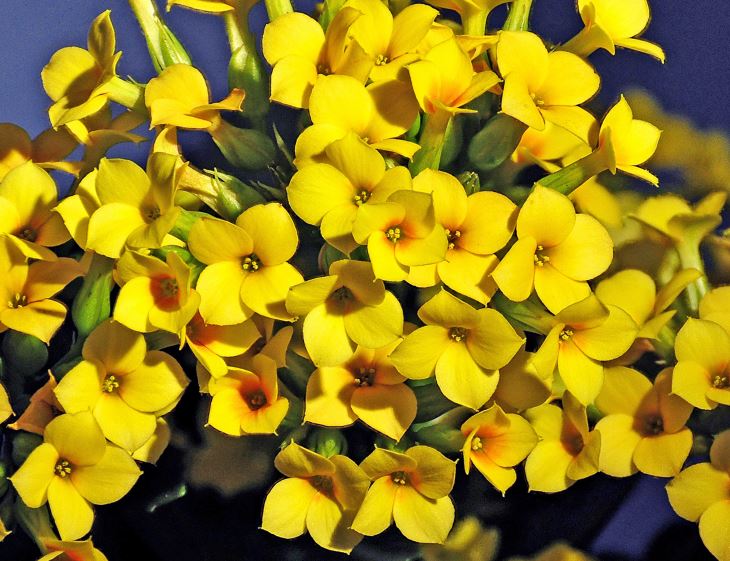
x: 256, y: 400
x: 458, y: 334
x: 476, y: 444
x: 342, y: 294
x: 365, y: 377
x: 394, y: 234
x: 110, y: 384
x: 322, y: 483
x: 653, y: 425
x: 323, y: 68
x: 251, y: 263
x: 381, y: 60
x: 399, y: 477
x: 566, y: 334
x: 18, y: 301
x: 28, y: 234
x: 573, y: 444
x: 453, y: 237
x: 362, y: 197
x: 721, y: 382
x: 63, y: 468
x: 151, y: 213
x: 540, y: 258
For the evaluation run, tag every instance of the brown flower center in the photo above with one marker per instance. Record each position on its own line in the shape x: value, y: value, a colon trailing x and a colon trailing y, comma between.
x: 251, y: 263
x: 458, y: 334
x: 399, y: 477
x: 63, y: 468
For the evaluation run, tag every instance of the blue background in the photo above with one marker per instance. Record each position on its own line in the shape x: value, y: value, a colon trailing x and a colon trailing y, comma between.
x: 694, y: 82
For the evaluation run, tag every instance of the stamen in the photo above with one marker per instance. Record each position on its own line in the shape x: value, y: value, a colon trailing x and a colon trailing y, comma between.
x: 251, y: 263
x: 453, y: 237
x: 393, y: 234
x: 63, y: 468
x: 110, y: 384
x: 399, y: 477
x: 365, y: 377
x: 458, y: 334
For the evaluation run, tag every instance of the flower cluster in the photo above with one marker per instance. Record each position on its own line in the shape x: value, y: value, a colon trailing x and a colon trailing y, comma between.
x: 386, y: 264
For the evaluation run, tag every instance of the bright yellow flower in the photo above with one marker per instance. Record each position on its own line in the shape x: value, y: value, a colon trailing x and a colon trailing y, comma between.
x: 585, y: 334
x: 715, y: 306
x: 155, y: 294
x: 79, y: 80
x: 206, y: 6
x: 247, y: 269
x: 366, y: 387
x: 391, y: 41
x: 644, y: 425
x: 349, y: 307
x: 27, y: 198
x: 47, y: 150
x: 557, y: 251
x: 468, y: 541
x: 76, y: 210
x: 26, y: 292
x: 248, y: 401
x: 463, y: 346
x: 702, y: 373
x: 610, y: 24
x: 210, y: 343
x: 567, y: 451
x: 136, y: 207
x: 702, y: 493
x: 541, y: 86
x: 179, y: 97
x: 496, y: 442
x: 73, y: 469
x: 122, y: 384
x: 377, y: 113
x: 476, y: 227
x: 632, y: 141
x: 411, y: 489
x: 69, y: 550
x: 547, y: 146
x: 319, y: 495
x: 595, y: 199
x: 300, y: 51
x: 400, y: 233
x: 329, y: 194
x: 520, y: 385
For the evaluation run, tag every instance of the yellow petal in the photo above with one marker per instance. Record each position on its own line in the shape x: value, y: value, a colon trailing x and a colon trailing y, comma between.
x: 542, y: 203
x: 40, y: 319
x: 546, y: 467
x: 108, y: 480
x: 155, y: 384
x: 134, y: 302
x: 493, y: 342
x: 219, y: 286
x: 582, y: 375
x: 376, y: 513
x: 631, y: 290
x: 382, y: 255
x: 482, y: 236
x: 703, y: 342
x: 570, y: 80
x: 714, y: 532
x: 623, y: 391
x: 517, y: 102
x: 124, y: 426
x: 33, y: 477
x: 212, y: 241
x: 326, y: 339
x: 329, y: 526
x: 697, y: 488
x: 516, y: 272
x: 446, y: 310
x: 265, y: 290
x: 502, y: 478
x: 72, y: 513
x: 272, y: 230
x: 304, y: 297
x: 461, y: 379
x: 77, y: 438
x: 610, y: 339
x: 376, y: 326
x: 642, y: 46
x: 556, y: 290
x: 663, y: 455
x: 383, y: 462
x: 329, y: 391
x: 286, y: 506
x: 387, y: 409
x: 316, y: 190
x: 341, y: 101
x: 395, y: 110
x: 294, y: 33
x: 421, y: 519
x: 119, y: 349
x: 435, y: 473
x: 469, y: 274
x: 618, y: 442
x: 691, y: 382
x: 417, y: 355
x: 586, y: 252
x: 110, y: 226
x: 80, y: 388
x: 525, y: 53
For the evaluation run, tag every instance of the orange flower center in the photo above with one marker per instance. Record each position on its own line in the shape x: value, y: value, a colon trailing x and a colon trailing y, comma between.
x: 364, y: 377
x: 256, y: 400
x: 394, y: 233
x: 476, y: 444
x: 573, y: 444
x: 63, y: 468
x: 323, y: 68
x: 381, y: 60
x: 166, y: 292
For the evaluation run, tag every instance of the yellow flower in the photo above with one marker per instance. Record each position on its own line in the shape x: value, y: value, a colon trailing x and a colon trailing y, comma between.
x: 468, y: 541
x: 210, y: 343
x: 557, y: 251
x: 610, y: 24
x: 76, y: 210
x: 73, y: 469
x: 702, y: 373
x: 136, y: 207
x: 715, y: 306
x: 248, y: 401
x: 155, y: 294
x: 496, y: 442
x: 27, y: 220
x: 476, y: 227
x: 122, y: 384
x: 319, y: 495
x: 585, y: 334
x: 366, y: 387
x: 547, y: 146
x: 247, y: 269
x: 329, y: 194
x: 411, y: 489
x: 541, y: 86
x: 644, y: 425
x: 205, y: 6
x: 47, y: 150
x: 567, y: 451
x: 702, y: 493
x: 41, y: 410
x: 400, y: 233
x: 179, y: 97
x: 631, y: 141
x: 520, y: 385
x: 299, y: 50
x: 463, y: 346
x: 26, y: 292
x: 377, y: 114
x: 349, y: 307
x: 70, y: 550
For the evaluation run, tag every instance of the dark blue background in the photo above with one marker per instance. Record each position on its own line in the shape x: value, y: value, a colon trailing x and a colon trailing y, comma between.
x: 694, y: 82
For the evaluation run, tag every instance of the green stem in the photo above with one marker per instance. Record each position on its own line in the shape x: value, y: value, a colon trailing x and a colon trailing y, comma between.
x: 571, y: 177
x: 431, y: 141
x: 276, y: 8
x: 518, y: 18
x: 128, y: 94
x: 689, y: 257
x: 474, y: 22
x: 164, y: 47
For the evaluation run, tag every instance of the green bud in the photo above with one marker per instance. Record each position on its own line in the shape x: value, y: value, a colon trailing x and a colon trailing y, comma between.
x: 297, y: 372
x: 528, y: 314
x: 292, y: 427
x: 185, y: 221
x: 233, y: 196
x: 327, y: 442
x: 92, y: 304
x: 3, y: 478
x: 23, y: 444
x: 453, y: 141
x: 412, y: 133
x: 25, y: 354
x: 196, y: 267
x: 382, y: 441
x: 492, y: 145
x: 470, y: 182
x: 445, y: 439
x: 164, y: 47
x: 247, y: 149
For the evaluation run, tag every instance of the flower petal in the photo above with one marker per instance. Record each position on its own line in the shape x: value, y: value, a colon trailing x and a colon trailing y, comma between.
x: 421, y: 519
x: 72, y: 513
x: 108, y: 480
x: 286, y: 506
